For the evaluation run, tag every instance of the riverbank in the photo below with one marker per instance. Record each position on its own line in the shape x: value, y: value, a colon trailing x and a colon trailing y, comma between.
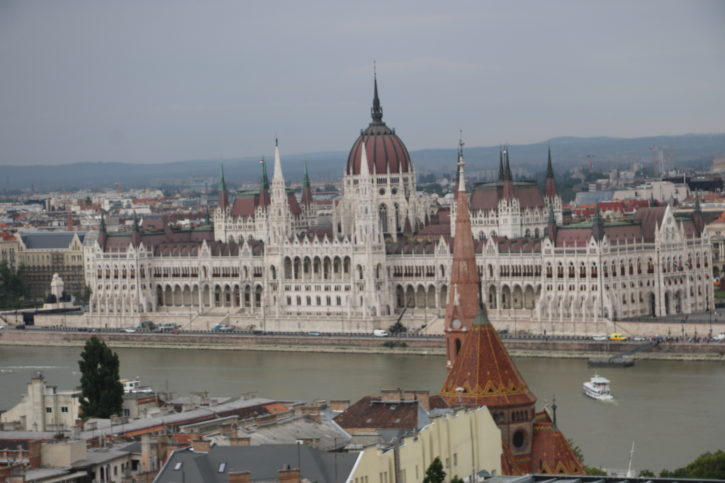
x: 537, y: 348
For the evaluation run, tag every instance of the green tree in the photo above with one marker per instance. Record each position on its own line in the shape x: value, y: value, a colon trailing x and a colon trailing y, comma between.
x: 707, y: 466
x: 101, y: 390
x: 13, y: 291
x: 85, y: 295
x: 456, y: 479
x: 435, y: 473
x: 646, y: 474
x: 591, y: 470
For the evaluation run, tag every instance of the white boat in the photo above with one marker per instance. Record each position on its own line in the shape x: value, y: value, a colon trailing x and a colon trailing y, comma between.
x: 598, y: 388
x: 133, y: 386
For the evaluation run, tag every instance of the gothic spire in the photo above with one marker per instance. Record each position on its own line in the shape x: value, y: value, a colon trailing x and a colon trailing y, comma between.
x: 500, y: 165
x: 508, y: 181
x: 377, y: 110
x: 277, y: 176
x: 550, y: 185
x: 264, y: 181
x: 306, y: 189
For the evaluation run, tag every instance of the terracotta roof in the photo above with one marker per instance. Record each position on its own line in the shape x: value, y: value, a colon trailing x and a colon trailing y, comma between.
x: 552, y: 453
x: 372, y: 412
x: 649, y: 219
x: 486, y: 196
x: 246, y: 204
x: 485, y: 371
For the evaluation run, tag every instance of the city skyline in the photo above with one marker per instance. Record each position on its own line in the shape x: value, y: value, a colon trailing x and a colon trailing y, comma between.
x: 147, y: 82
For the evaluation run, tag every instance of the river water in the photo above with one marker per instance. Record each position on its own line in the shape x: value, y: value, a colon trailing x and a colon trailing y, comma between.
x: 672, y: 410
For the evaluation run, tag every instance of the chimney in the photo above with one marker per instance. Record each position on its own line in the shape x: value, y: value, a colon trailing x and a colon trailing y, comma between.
x: 34, y: 459
x: 240, y: 477
x: 145, y: 453
x: 312, y: 412
x: 246, y: 441
x: 290, y: 476
x: 340, y: 405
x: 201, y: 446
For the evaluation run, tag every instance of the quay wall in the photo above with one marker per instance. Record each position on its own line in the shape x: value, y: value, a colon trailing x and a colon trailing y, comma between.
x: 413, y: 345
x: 645, y: 328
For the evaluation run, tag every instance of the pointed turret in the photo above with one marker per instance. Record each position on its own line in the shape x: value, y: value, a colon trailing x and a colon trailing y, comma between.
x: 263, y: 184
x: 508, y: 181
x: 598, y: 225
x: 463, y: 293
x: 223, y: 200
x: 102, y: 233
x: 501, y: 172
x: 551, y: 225
x: 550, y: 186
x: 306, y: 189
x: 277, y: 176
x: 697, y: 217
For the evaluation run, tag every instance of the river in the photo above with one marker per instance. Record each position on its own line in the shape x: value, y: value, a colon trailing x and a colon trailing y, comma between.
x: 672, y: 410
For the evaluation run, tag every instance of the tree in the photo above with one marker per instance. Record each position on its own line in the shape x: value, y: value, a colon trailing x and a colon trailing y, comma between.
x: 707, y: 466
x: 435, y: 473
x: 13, y: 290
x: 101, y: 390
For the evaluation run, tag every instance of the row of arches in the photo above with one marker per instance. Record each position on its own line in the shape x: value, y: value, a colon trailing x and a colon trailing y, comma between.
x: 420, y: 296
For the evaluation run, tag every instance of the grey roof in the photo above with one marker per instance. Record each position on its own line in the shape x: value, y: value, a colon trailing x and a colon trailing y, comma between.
x: 329, y: 433
x: 172, y: 420
x: 589, y: 479
x: 50, y: 239
x: 263, y: 462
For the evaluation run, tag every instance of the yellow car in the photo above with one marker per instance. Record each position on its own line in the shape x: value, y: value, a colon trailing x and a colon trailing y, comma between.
x: 617, y: 337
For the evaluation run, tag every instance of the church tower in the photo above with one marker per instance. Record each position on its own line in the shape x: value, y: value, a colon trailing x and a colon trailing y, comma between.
x: 551, y: 199
x: 463, y: 294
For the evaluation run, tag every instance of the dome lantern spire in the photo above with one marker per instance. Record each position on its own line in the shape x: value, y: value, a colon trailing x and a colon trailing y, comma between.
x: 377, y: 110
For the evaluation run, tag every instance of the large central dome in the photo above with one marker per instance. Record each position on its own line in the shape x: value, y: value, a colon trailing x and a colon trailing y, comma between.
x: 385, y: 151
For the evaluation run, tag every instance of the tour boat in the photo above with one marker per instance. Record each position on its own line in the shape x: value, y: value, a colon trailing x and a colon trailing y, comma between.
x: 133, y: 386
x: 598, y: 388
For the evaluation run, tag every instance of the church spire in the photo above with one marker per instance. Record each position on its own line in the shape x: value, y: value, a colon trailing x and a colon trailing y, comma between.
x: 550, y: 186
x: 697, y: 217
x: 463, y: 294
x: 377, y: 110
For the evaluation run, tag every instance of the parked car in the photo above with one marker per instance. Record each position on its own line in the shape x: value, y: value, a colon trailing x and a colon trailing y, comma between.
x: 719, y: 337
x: 167, y: 327
x: 617, y: 337
x: 599, y: 337
x: 380, y: 333
x: 147, y: 325
x: 130, y: 330
x: 222, y: 328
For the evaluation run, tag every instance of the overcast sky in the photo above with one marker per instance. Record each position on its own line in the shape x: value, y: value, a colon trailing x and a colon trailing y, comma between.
x: 151, y: 81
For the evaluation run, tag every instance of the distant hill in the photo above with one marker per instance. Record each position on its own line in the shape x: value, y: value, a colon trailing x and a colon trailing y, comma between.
x: 690, y: 149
